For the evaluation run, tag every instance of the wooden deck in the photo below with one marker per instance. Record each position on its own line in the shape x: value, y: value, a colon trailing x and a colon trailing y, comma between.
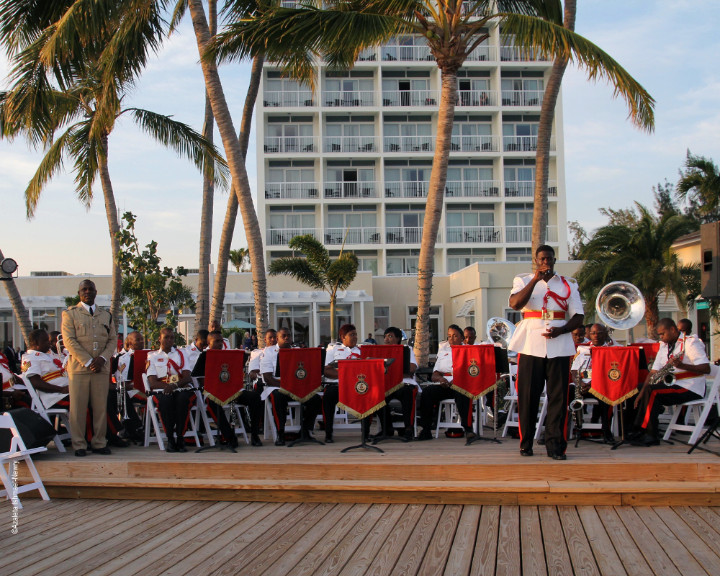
x: 278, y: 539
x: 442, y: 471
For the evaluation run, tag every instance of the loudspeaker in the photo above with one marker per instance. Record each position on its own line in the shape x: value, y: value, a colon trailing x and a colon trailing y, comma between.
x: 710, y: 260
x: 33, y: 428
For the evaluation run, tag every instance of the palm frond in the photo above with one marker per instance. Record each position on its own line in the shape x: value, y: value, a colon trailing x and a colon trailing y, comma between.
x: 50, y: 164
x: 86, y: 152
x: 297, y: 268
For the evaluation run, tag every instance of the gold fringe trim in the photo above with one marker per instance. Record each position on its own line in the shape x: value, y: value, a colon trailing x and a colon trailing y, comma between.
x: 361, y: 416
x: 223, y: 402
x: 466, y: 393
x: 297, y: 398
x: 613, y: 402
x: 394, y: 389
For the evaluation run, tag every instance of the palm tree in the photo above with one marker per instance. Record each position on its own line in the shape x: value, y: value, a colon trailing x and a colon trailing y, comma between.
x: 318, y: 270
x: 453, y: 29
x: 66, y: 99
x: 240, y: 259
x: 21, y: 314
x: 639, y: 252
x: 700, y: 184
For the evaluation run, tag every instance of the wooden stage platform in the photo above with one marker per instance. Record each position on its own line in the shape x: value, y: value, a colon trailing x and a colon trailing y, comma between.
x: 441, y: 471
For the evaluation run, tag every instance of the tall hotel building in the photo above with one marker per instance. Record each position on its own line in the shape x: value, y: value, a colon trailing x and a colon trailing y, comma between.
x: 356, y: 155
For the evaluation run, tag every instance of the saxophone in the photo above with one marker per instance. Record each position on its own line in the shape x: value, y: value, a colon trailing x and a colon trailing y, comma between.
x: 665, y: 374
x: 577, y: 403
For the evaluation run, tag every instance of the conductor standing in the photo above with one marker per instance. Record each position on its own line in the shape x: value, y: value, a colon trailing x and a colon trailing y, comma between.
x: 89, y: 335
x: 551, y: 309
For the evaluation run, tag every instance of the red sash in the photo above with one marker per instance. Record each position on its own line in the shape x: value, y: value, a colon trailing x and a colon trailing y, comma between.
x: 473, y: 370
x: 394, y: 374
x: 139, y: 368
x: 361, y: 386
x: 300, y: 372
x: 614, y: 373
x: 4, y: 362
x: 224, y: 375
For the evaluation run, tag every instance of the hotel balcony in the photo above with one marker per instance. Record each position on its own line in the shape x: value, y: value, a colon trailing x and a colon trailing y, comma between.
x: 474, y: 144
x: 354, y: 236
x: 523, y: 143
x: 483, y: 54
x: 472, y: 189
x: 410, y: 97
x: 474, y: 234
x: 281, y: 236
x: 351, y: 190
x: 290, y: 144
x: 512, y: 53
x: 522, y: 97
x: 395, y: 52
x: 349, y: 99
x: 288, y: 99
x: 523, y: 234
x: 406, y: 189
x: 476, y: 98
x: 526, y: 189
x: 292, y: 190
x: 409, y: 144
x: 350, y: 144
x: 403, y: 235
x: 367, y: 55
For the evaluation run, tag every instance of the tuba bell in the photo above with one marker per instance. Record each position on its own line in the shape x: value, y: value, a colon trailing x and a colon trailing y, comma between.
x: 620, y: 305
x: 500, y: 330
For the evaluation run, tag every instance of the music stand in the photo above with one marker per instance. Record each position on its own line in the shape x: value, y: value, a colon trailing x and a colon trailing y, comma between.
x: 361, y: 385
x: 302, y: 368
x: 709, y: 433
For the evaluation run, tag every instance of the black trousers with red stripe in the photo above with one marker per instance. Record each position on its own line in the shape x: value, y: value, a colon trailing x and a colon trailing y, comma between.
x: 248, y: 398
x: 651, y: 404
x: 279, y: 403
x: 430, y: 399
x: 407, y: 395
x: 533, y: 372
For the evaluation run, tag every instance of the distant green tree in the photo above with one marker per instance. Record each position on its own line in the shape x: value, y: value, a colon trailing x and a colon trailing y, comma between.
x: 699, y: 185
x: 72, y: 300
x: 318, y: 270
x: 148, y: 289
x: 240, y: 258
x: 578, y: 238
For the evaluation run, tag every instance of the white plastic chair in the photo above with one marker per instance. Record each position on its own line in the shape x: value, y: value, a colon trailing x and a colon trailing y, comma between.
x: 512, y: 412
x: 697, y: 411
x: 152, y: 419
x: 54, y: 416
x: 18, y: 453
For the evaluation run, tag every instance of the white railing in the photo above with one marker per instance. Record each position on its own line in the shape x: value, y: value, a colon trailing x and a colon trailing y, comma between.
x: 409, y: 144
x: 288, y: 99
x: 395, y: 52
x: 290, y: 144
x: 403, y: 235
x: 474, y: 234
x: 406, y: 189
x: 483, y: 53
x: 354, y: 236
x: 520, y: 54
x: 350, y: 144
x: 523, y: 234
x: 281, y: 236
x: 526, y: 188
x: 367, y: 55
x: 294, y: 190
x: 410, y: 97
x: 474, y: 144
x: 476, y: 98
x: 523, y: 143
x: 350, y: 190
x: 522, y: 97
x: 351, y: 99
x: 472, y: 189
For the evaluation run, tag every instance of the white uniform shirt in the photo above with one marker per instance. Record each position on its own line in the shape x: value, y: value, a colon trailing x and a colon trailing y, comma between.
x: 192, y: 353
x: 413, y: 360
x: 255, y: 358
x: 694, y: 354
x: 268, y: 360
x: 528, y: 337
x: 582, y: 360
x: 159, y: 365
x: 122, y: 375
x: 35, y: 363
x: 340, y: 352
x: 443, y: 362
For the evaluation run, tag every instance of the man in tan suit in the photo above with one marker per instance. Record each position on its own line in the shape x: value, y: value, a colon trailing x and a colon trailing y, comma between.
x: 89, y: 334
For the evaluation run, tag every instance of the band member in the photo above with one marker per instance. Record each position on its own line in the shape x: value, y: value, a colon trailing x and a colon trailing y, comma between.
x: 684, y: 358
x: 255, y: 358
x: 470, y: 335
x: 579, y: 338
x: 407, y: 394
x: 583, y: 364
x: 685, y: 326
x: 193, y: 351
x: 89, y: 335
x: 130, y: 426
x: 249, y: 398
x: 45, y: 372
x: 278, y: 400
x: 441, y: 390
x: 347, y: 350
x: 552, y: 309
x: 168, y: 373
x: 215, y: 326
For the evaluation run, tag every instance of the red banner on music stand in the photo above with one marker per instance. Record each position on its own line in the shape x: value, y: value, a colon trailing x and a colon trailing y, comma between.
x: 473, y: 370
x: 224, y: 375
x: 139, y: 368
x: 615, y: 372
x: 394, y: 374
x: 300, y: 372
x: 361, y: 386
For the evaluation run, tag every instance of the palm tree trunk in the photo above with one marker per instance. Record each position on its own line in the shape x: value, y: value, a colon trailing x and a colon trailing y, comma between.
x: 203, y: 294
x: 232, y: 205
x: 333, y: 322
x: 236, y: 161
x: 652, y: 315
x: 542, y: 156
x: 433, y: 213
x: 21, y: 314
x: 114, y: 227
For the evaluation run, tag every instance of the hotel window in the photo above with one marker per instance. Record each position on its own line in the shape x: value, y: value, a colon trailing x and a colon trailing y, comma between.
x: 382, y: 321
x: 470, y: 182
x: 469, y: 224
x: 289, y: 137
x: 402, y: 262
x: 358, y: 222
x: 518, y: 222
x: 521, y: 136
x: 410, y: 182
x: 403, y: 224
x: 295, y: 318
x: 343, y: 315
x: 408, y: 137
x: 519, y: 255
x: 462, y: 257
x: 519, y: 180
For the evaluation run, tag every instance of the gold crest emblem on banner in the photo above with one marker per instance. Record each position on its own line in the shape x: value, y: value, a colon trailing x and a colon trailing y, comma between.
x: 224, y: 373
x: 361, y: 387
x: 301, y: 373
x: 473, y: 369
x: 614, y: 373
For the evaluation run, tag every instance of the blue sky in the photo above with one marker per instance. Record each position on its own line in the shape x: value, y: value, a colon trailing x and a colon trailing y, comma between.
x: 671, y: 47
